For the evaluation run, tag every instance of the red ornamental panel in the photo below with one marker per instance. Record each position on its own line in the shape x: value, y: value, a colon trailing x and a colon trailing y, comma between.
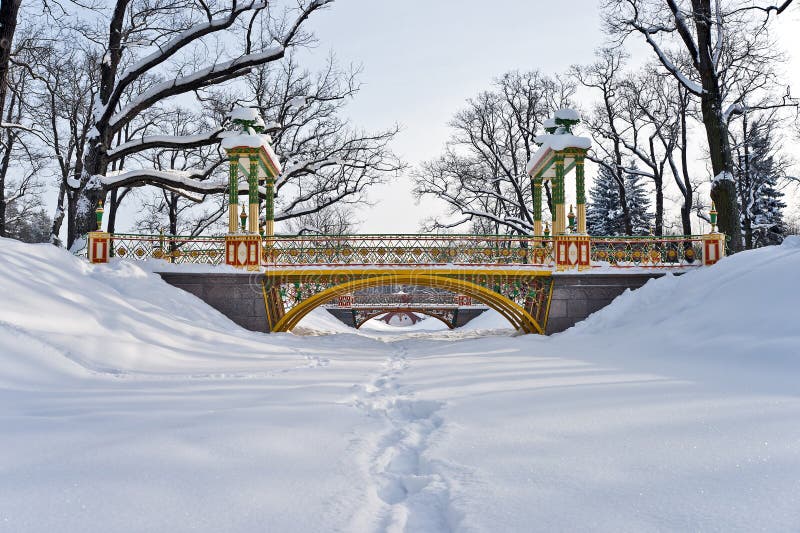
x: 346, y: 300
x: 712, y: 251
x: 98, y: 246
x: 463, y: 299
x: 243, y: 251
x: 573, y: 252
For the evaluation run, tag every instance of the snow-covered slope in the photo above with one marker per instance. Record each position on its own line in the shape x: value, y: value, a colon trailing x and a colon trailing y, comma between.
x: 116, y: 318
x: 129, y: 405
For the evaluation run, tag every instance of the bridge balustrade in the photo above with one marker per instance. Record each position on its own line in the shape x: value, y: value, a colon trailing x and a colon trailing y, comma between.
x: 416, y: 250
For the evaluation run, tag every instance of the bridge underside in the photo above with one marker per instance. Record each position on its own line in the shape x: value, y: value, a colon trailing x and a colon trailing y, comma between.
x: 245, y: 298
x: 452, y: 316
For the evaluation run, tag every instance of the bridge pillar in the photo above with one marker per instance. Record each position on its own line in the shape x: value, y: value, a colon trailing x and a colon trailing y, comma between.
x: 713, y: 248
x: 580, y: 194
x: 233, y: 191
x: 243, y: 247
x: 560, y: 225
x: 714, y: 242
x: 537, y: 206
x: 99, y: 241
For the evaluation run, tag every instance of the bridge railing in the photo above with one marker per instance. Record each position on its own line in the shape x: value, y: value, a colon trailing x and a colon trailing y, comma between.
x: 359, y: 250
x: 407, y: 250
x: 173, y: 248
x: 647, y: 251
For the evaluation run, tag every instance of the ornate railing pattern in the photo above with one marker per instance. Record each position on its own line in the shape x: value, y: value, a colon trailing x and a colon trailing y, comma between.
x: 173, y: 248
x: 357, y: 250
x: 407, y: 250
x: 679, y: 251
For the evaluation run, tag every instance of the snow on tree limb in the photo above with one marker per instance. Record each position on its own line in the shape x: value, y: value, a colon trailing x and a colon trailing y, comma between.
x: 165, y: 141
x: 172, y: 47
x: 209, y: 75
x: 174, y: 179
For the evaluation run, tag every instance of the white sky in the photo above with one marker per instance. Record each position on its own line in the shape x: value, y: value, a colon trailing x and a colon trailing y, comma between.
x: 422, y: 59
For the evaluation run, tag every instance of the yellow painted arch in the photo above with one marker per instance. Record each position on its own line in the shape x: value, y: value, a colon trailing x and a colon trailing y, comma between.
x: 511, y: 311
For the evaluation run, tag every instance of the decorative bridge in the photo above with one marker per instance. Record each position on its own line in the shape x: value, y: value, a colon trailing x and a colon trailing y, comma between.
x: 512, y: 274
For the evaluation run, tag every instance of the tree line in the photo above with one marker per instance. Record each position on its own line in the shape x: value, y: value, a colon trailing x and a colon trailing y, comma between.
x: 708, y: 109
x: 126, y: 101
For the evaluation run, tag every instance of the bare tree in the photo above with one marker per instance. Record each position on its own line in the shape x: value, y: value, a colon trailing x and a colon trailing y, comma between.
x: 335, y: 220
x: 167, y: 44
x: 482, y: 174
x: 327, y: 161
x: 175, y: 211
x: 704, y: 44
x: 9, y: 11
x: 20, y: 160
x: 61, y: 104
x: 607, y: 121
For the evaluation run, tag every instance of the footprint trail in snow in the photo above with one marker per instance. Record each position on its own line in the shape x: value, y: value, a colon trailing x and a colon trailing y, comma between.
x: 407, y: 493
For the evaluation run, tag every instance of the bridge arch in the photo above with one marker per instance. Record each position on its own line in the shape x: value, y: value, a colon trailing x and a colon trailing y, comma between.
x: 519, y: 318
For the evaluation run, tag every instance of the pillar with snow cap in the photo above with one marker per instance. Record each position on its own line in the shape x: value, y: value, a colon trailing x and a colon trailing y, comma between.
x: 559, y: 152
x: 249, y: 149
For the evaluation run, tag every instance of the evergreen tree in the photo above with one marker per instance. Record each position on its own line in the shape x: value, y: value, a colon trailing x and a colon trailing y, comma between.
x: 604, y: 213
x: 758, y: 174
x: 29, y: 226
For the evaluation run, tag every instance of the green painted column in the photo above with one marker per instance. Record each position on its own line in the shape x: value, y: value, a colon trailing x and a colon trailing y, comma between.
x: 558, y: 198
x: 233, y: 192
x: 537, y: 206
x: 269, y: 208
x: 580, y: 193
x: 252, y: 181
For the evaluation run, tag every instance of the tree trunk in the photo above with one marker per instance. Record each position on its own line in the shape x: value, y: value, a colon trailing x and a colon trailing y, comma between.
x: 95, y: 162
x: 688, y: 190
x: 3, y: 172
x: 58, y: 217
x: 723, y: 189
x: 91, y: 192
x: 9, y: 9
x: 659, y: 186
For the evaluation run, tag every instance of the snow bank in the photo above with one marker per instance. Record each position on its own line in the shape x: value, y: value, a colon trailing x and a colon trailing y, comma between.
x: 116, y: 318
x: 748, y: 297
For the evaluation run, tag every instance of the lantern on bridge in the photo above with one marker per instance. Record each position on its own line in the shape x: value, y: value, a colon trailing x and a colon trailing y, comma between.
x: 249, y: 149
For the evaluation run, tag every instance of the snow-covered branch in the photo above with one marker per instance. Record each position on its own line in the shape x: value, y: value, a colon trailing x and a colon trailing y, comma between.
x: 165, y: 141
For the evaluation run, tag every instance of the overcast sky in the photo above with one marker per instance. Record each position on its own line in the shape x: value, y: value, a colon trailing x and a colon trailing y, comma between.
x: 422, y: 59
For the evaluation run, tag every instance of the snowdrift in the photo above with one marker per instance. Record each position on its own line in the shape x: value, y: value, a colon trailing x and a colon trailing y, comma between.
x: 741, y: 312
x: 62, y: 316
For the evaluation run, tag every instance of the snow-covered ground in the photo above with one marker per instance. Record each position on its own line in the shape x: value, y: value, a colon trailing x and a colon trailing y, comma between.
x: 128, y: 405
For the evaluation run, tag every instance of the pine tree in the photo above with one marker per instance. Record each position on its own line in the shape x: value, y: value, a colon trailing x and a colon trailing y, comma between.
x: 757, y: 181
x: 605, y: 215
x: 639, y: 204
x: 30, y: 226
